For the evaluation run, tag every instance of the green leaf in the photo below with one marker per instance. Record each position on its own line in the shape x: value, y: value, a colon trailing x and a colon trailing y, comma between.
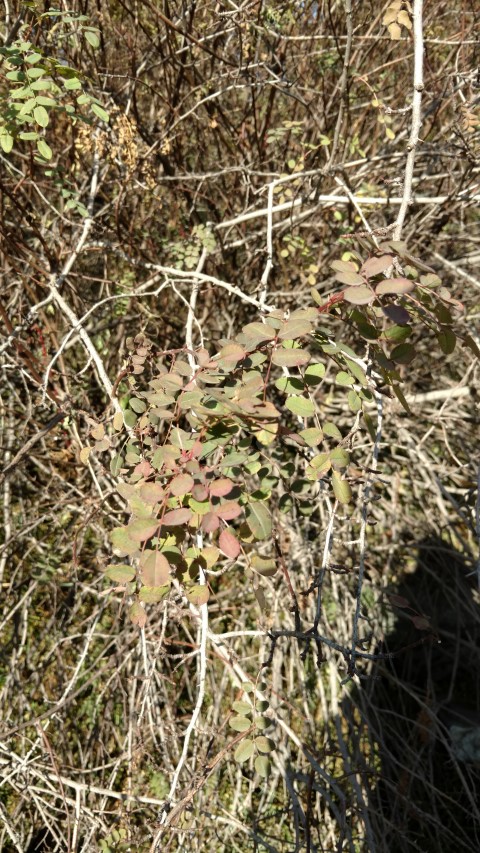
x: 33, y: 58
x: 301, y: 406
x: 244, y: 751
x: 71, y: 83
x: 242, y: 708
x: 290, y: 385
x: 198, y: 594
x: 398, y: 334
x: 314, y: 373
x: 121, y: 573
x: 403, y: 354
x: 44, y: 149
x: 240, y: 724
x: 264, y: 744
x: 45, y: 102
x: 41, y: 116
x: 354, y: 401
x: 312, y: 436
x: 6, y: 141
x: 339, y: 458
x: 153, y: 594
x: 357, y: 372
x: 262, y: 766
x: 447, y: 340
x: 332, y: 430
x: 319, y: 466
x: 92, y: 37
x: 401, y: 397
x: 121, y: 542
x: 343, y: 378
x: 100, y: 112
x: 259, y: 520
x: 265, y: 566
x: 341, y: 489
x: 33, y: 73
x: 116, y: 464
x: 138, y: 406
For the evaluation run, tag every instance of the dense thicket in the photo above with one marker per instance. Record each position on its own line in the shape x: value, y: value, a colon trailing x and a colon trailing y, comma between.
x: 176, y: 178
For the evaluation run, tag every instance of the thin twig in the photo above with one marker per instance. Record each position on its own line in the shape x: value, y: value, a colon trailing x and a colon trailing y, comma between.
x: 418, y: 87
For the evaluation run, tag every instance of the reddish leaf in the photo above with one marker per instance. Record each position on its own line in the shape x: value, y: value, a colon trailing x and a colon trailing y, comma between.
x: 351, y: 278
x: 294, y: 329
x: 290, y: 357
x: 151, y: 493
x: 374, y: 266
x: 231, y: 353
x: 343, y: 266
x: 144, y: 468
x: 361, y: 295
x: 220, y: 488
x: 258, y: 332
x: 181, y: 485
x: 200, y: 492
x: 210, y: 522
x: 229, y: 544
x: 394, y: 285
x: 155, y: 569
x: 142, y: 529
x: 177, y: 517
x: 228, y: 510
x: 138, y: 615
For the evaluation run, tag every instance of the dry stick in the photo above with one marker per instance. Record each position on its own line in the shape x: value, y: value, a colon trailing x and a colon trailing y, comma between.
x: 141, y: 289
x: 202, y: 614
x: 89, y: 346
x: 15, y: 839
x: 57, y: 281
x: 477, y: 524
x: 60, y: 416
x: 191, y: 312
x: 418, y: 87
x: 342, y: 84
x: 269, y: 263
x: 363, y: 530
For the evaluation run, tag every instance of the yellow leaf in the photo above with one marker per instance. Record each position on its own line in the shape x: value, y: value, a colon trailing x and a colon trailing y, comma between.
x: 404, y: 19
x: 395, y: 32
x: 84, y: 454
